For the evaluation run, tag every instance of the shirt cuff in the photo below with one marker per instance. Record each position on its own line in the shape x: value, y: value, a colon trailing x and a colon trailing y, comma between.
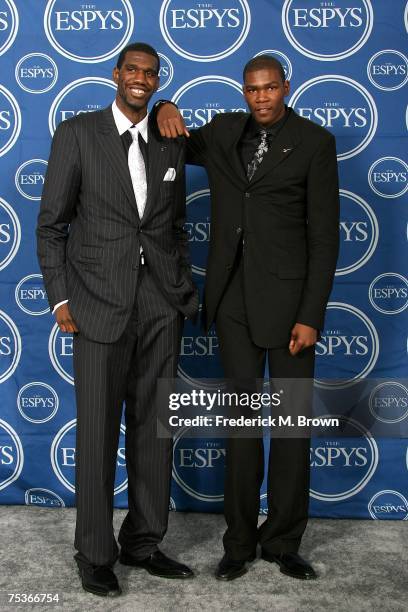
x: 58, y: 305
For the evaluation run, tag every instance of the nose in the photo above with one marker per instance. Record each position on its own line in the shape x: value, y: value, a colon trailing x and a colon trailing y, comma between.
x: 140, y: 76
x: 261, y: 95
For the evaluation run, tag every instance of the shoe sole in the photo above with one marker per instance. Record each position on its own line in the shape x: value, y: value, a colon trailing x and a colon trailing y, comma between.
x: 287, y: 572
x: 174, y: 577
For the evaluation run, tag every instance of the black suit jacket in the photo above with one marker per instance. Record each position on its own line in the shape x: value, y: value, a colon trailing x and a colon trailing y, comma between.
x: 288, y: 216
x: 89, y: 232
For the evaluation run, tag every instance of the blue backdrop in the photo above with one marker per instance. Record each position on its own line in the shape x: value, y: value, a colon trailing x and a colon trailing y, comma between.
x: 348, y: 70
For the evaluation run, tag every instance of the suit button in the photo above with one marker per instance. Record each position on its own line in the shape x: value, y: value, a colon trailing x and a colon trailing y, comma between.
x: 229, y: 266
x: 238, y: 230
x: 247, y: 194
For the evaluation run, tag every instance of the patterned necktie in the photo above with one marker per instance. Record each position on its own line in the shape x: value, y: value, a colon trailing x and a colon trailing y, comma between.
x: 259, y: 154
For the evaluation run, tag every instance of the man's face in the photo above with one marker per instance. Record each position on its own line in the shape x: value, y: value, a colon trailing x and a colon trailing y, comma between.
x: 137, y: 80
x: 264, y: 92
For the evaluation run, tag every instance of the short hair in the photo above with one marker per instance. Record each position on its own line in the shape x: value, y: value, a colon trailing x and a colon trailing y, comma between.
x: 262, y: 62
x: 137, y: 46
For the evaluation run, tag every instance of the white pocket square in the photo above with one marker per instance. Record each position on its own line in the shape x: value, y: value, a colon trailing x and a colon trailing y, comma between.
x: 170, y: 175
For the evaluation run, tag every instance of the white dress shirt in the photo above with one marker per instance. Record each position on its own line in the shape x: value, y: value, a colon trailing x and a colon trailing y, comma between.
x: 135, y: 161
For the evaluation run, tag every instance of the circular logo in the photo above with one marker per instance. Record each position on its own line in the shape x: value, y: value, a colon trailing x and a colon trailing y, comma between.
x: 63, y: 458
x: 31, y: 296
x: 327, y: 31
x: 198, y: 228
x: 60, y: 350
x: 263, y: 504
x: 84, y: 95
x: 199, y: 360
x: 388, y: 70
x: 342, y: 467
x: 88, y: 33
x: 388, y: 293
x: 358, y: 233
x: 37, y: 402
x: 36, y: 73
x: 44, y: 498
x: 388, y: 402
x: 10, y: 120
x: 341, y: 105
x: 11, y: 455
x: 166, y: 71
x: 388, y: 177
x: 347, y: 349
x: 29, y: 178
x: 172, y: 505
x: 198, y: 466
x: 202, y: 98
x: 388, y: 505
x: 8, y: 24
x: 10, y: 346
x: 10, y: 234
x: 221, y: 27
x: 282, y: 57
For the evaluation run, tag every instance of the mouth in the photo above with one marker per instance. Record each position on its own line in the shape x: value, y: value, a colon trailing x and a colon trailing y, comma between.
x: 263, y: 110
x: 137, y: 92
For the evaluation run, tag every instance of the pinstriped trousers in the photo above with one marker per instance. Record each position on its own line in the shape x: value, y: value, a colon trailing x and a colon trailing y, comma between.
x: 106, y: 376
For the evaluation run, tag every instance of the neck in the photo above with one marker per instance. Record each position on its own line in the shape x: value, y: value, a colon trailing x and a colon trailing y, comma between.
x: 135, y: 115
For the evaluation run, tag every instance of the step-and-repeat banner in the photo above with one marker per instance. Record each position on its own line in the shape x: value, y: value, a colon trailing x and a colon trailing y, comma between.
x: 348, y: 68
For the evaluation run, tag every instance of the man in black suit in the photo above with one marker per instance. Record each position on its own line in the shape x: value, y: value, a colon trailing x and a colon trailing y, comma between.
x: 114, y: 256
x: 272, y: 258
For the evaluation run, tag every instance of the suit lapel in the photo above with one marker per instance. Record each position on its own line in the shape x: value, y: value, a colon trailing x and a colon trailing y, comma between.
x: 112, y: 146
x: 281, y: 148
x: 157, y: 166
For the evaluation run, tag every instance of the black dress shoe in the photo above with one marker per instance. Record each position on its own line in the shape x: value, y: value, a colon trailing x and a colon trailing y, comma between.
x: 99, y: 580
x: 158, y: 564
x: 229, y: 569
x: 291, y: 564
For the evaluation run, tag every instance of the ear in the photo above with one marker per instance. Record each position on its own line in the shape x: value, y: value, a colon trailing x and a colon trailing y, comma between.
x: 115, y: 75
x: 286, y: 88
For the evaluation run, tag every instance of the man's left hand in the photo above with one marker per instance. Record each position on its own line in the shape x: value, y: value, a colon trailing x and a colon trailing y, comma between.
x: 302, y: 336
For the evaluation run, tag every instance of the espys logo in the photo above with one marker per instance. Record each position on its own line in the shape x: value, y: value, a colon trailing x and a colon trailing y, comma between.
x: 282, y: 57
x: 37, y: 402
x: 166, y: 71
x: 388, y: 402
x: 172, y: 505
x: 358, y: 233
x: 10, y: 234
x: 88, y: 32
x: 10, y: 120
x: 202, y: 98
x: 388, y: 293
x: 199, y: 361
x: 198, y: 467
x: 341, y: 105
x: 198, y: 228
x: 263, y: 504
x: 31, y: 296
x: 388, y: 505
x: 342, y: 467
x: 29, y: 178
x: 388, y: 177
x: 11, y: 455
x: 348, y: 345
x: 60, y: 350
x: 84, y: 95
x: 205, y: 32
x: 10, y: 346
x: 63, y: 458
x: 327, y: 31
x: 8, y: 24
x: 388, y: 70
x: 44, y: 498
x: 36, y: 73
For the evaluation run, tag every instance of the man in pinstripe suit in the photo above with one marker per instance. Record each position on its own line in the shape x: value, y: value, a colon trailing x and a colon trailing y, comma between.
x: 114, y: 257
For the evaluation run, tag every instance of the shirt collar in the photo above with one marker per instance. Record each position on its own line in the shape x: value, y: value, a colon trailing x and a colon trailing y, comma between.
x: 123, y: 123
x: 254, y: 128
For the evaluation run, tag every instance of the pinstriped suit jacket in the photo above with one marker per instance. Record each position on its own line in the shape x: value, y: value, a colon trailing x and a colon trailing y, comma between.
x: 89, y: 232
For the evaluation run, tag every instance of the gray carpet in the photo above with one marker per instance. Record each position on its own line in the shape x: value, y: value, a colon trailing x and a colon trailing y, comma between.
x: 362, y: 565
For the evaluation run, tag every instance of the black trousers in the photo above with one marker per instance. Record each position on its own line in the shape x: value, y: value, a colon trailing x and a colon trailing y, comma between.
x: 106, y: 376
x: 288, y: 464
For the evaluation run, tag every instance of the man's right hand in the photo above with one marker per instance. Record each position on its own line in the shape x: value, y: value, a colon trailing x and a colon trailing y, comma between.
x: 65, y: 322
x: 170, y: 123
